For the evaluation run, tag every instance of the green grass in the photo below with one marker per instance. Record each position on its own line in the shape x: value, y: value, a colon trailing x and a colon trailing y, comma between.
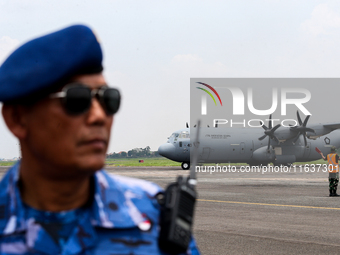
x: 124, y: 162
x: 147, y: 162
x: 7, y: 163
x: 319, y: 161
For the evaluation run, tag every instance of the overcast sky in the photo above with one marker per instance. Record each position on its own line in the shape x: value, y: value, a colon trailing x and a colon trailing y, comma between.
x: 152, y: 48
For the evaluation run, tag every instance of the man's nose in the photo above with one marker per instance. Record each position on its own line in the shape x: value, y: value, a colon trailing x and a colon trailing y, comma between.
x: 96, y: 112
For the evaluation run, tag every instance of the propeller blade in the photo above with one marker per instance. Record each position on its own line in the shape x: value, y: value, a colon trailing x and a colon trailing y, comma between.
x: 304, y: 137
x: 297, y: 137
x: 262, y: 137
x: 302, y: 129
x: 268, y: 143
x: 269, y: 131
x: 275, y: 139
x: 306, y: 120
x: 187, y: 125
x: 298, y: 117
x: 276, y: 127
x: 309, y: 130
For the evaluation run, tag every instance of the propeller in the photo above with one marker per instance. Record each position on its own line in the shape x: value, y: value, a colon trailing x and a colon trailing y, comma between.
x: 301, y: 129
x: 269, y: 131
x: 187, y: 125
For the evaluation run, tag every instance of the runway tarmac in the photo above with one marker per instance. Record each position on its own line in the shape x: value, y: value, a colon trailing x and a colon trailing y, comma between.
x: 257, y: 213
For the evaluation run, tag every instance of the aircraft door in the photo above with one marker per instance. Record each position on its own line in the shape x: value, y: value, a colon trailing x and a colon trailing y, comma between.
x: 206, y: 153
x: 242, y: 148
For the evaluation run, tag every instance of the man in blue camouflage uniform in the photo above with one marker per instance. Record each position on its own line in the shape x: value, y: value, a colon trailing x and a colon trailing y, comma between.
x: 56, y: 200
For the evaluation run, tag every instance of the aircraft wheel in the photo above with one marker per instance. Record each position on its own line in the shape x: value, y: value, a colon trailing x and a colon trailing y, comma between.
x: 185, y: 165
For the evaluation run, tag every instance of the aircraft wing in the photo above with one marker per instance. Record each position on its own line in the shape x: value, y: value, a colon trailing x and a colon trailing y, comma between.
x: 332, y: 126
x: 322, y: 129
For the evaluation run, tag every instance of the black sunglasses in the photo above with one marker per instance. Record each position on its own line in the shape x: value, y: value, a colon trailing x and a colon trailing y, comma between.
x: 77, y: 98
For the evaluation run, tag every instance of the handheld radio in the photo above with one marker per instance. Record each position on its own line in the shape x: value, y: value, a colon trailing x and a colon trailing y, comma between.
x: 177, y: 211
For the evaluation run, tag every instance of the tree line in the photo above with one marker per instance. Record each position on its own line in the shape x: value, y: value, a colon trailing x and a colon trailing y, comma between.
x: 134, y: 153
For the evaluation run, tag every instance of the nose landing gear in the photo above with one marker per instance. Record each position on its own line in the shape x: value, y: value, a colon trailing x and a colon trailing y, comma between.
x: 185, y: 165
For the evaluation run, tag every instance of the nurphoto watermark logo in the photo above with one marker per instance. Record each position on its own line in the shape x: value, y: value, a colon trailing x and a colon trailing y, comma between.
x: 261, y: 121
x: 239, y: 98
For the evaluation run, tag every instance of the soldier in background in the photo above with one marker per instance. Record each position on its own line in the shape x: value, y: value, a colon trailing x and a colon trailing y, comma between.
x: 333, y: 169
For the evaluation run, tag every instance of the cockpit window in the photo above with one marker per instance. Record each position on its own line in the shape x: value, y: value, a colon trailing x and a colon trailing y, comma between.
x: 174, y: 135
x: 184, y: 134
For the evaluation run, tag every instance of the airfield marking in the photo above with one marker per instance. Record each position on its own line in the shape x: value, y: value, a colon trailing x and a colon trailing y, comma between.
x: 247, y: 203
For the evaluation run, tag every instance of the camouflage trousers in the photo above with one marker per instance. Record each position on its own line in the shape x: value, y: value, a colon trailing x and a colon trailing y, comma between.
x: 333, y: 183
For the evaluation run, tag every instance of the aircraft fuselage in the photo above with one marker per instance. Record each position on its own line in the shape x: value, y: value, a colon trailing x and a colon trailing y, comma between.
x: 232, y: 145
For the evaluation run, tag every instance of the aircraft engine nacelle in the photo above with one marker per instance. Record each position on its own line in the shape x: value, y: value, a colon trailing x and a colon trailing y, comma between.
x: 264, y: 155
x: 284, y: 159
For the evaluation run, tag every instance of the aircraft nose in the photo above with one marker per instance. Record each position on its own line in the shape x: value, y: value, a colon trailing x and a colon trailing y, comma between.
x: 166, y: 150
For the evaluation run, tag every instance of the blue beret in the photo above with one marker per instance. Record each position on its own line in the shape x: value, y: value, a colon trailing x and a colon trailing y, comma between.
x: 46, y: 61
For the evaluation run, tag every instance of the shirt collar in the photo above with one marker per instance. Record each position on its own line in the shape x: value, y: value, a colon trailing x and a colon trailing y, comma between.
x: 113, y: 204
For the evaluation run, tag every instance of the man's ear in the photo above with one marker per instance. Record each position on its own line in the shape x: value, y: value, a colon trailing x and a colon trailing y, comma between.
x: 15, y: 119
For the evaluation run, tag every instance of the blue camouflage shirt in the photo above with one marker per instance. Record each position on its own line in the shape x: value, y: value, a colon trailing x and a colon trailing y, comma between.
x: 122, y: 219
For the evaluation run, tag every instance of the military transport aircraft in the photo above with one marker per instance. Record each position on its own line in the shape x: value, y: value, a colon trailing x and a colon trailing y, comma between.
x: 285, y: 145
